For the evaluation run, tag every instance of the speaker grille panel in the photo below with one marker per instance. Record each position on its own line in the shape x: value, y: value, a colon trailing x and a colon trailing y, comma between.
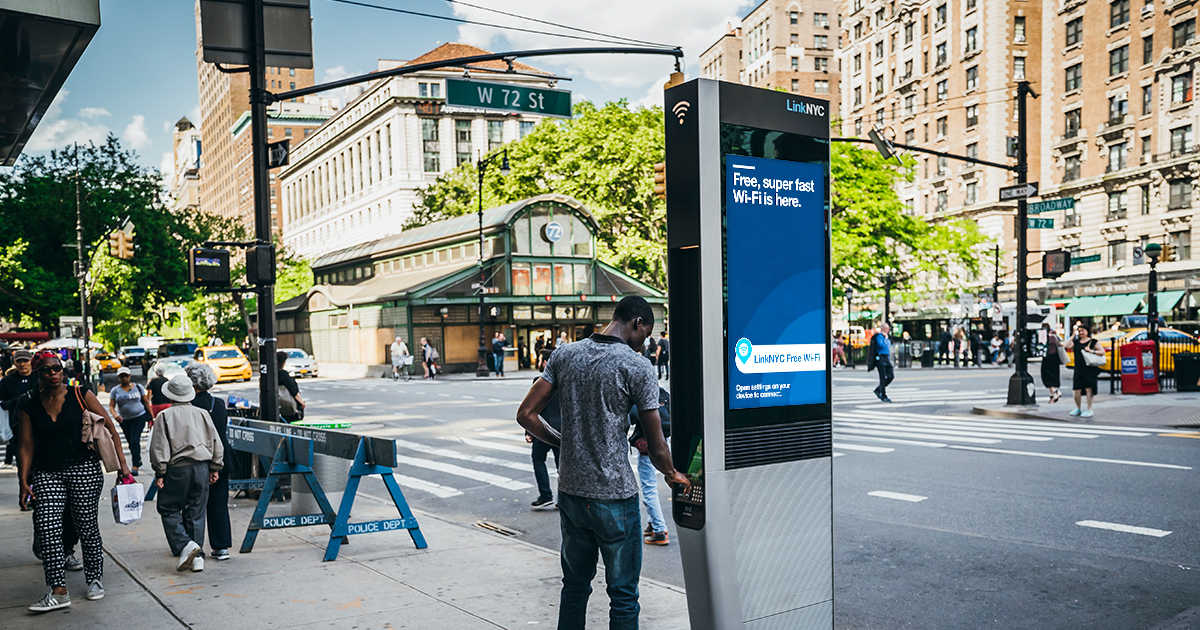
x: 773, y: 445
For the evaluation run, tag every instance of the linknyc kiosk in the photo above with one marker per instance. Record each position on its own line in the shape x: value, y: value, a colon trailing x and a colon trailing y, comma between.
x: 748, y: 237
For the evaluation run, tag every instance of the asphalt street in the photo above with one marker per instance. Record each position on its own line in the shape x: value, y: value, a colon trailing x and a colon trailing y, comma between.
x: 941, y: 520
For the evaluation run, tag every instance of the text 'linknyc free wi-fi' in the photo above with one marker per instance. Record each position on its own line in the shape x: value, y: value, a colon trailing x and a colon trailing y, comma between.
x: 680, y: 109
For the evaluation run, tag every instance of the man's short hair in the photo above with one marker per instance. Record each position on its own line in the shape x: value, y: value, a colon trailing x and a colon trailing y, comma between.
x: 633, y: 307
x: 281, y: 357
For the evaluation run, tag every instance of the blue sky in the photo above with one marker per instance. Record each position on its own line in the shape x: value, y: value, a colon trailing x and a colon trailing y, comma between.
x: 138, y: 75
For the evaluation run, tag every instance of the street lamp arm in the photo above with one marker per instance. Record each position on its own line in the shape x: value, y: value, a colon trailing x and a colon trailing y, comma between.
x: 464, y: 61
x: 932, y: 152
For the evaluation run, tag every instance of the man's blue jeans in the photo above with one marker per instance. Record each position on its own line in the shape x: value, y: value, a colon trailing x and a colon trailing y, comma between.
x: 499, y: 363
x: 592, y: 528
x: 648, y: 477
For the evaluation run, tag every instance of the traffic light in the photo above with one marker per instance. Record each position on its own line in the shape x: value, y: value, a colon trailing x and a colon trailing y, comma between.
x: 660, y: 180
x: 1168, y: 253
x: 120, y: 245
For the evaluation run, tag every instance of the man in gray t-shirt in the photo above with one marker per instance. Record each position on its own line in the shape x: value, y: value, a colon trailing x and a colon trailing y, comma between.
x: 598, y: 380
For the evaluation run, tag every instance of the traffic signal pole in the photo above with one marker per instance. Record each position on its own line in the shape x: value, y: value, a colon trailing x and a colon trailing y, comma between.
x: 1020, y: 384
x: 268, y: 369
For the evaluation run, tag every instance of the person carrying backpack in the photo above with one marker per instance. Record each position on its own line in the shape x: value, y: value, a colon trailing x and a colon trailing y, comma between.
x: 656, y: 530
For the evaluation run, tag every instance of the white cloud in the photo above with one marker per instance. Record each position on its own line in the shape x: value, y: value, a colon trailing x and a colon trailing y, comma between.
x: 93, y: 113
x: 195, y: 116
x: 167, y: 166
x: 654, y: 94
x: 135, y: 134
x: 341, y: 95
x: 56, y: 132
x: 693, y: 25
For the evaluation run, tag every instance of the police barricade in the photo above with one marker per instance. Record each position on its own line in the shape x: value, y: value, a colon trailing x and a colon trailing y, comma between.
x: 369, y: 455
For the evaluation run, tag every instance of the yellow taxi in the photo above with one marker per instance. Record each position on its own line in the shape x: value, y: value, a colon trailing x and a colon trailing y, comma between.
x: 107, y: 362
x: 1170, y: 341
x: 227, y: 361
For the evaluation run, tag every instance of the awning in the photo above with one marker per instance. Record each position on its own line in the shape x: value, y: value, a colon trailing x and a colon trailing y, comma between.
x: 1084, y: 306
x: 1121, y: 304
x: 1168, y: 299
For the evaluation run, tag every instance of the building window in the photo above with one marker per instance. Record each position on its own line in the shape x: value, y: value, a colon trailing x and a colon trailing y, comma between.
x: 821, y: 64
x: 1145, y: 195
x: 1147, y: 145
x: 1116, y: 253
x: 1019, y: 29
x: 1119, y: 13
x: 858, y: 63
x: 287, y: 132
x: 526, y: 127
x: 1072, y: 219
x: 795, y: 64
x: 1073, y: 123
x: 972, y: 115
x: 973, y: 150
x: 971, y: 5
x: 941, y: 165
x: 1181, y: 139
x: 1183, y: 34
x: 795, y: 85
x: 821, y: 41
x: 1182, y: 242
x: 431, y: 146
x: 1117, y: 156
x: 1147, y: 49
x: 821, y: 86
x: 910, y: 136
x: 1074, y: 78
x: 943, y: 89
x: 307, y: 132
x: 878, y: 51
x: 1018, y: 68
x: 820, y: 20
x: 795, y: 39
x: 941, y: 55
x: 1147, y: 99
x: 972, y: 38
x: 1118, y: 60
x: 1118, y: 106
x: 1181, y: 88
x: 942, y: 201
x: 1075, y: 31
x: 908, y: 69
x: 972, y: 193
x: 858, y: 31
x: 1180, y: 195
x: 940, y: 17
x: 1070, y: 168
x: 794, y: 17
x: 495, y: 130
x: 858, y: 127
x: 908, y: 32
x: 910, y: 103
x: 942, y: 123
x: 879, y: 84
x: 972, y: 78
x: 879, y: 116
x: 291, y: 72
x: 1116, y: 205
x: 857, y: 96
x: 462, y: 141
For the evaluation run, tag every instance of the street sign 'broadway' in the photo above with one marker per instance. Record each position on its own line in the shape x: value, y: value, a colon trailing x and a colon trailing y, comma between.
x: 1020, y: 191
x: 506, y: 97
x: 1064, y: 203
x: 1041, y: 224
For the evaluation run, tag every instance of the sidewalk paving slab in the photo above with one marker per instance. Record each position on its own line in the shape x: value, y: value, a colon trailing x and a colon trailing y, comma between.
x: 467, y: 578
x: 1164, y: 410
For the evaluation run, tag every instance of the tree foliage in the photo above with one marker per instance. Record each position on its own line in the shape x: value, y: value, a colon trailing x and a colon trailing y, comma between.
x: 873, y: 230
x: 603, y: 157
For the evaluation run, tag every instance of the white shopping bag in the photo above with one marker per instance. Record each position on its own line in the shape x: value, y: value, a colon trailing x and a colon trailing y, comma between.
x: 127, y: 502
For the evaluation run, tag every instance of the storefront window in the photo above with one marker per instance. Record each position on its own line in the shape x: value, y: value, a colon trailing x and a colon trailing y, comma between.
x: 583, y: 279
x: 543, y: 313
x: 581, y: 237
x: 541, y: 278
x: 564, y: 280
x: 564, y: 312
x: 583, y: 312
x: 520, y: 279
x: 522, y: 313
x: 521, y: 235
x: 539, y: 217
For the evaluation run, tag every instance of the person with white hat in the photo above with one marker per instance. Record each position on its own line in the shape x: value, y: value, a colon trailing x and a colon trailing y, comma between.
x: 129, y: 404
x: 186, y: 454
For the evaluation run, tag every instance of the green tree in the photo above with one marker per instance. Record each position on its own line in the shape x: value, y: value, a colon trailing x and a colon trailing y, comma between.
x: 603, y: 157
x: 873, y: 230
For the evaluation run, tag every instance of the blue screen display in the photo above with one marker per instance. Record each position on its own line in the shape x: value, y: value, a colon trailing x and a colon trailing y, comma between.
x: 776, y: 285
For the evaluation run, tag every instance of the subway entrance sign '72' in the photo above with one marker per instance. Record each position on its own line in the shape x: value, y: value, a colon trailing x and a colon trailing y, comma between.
x: 507, y: 97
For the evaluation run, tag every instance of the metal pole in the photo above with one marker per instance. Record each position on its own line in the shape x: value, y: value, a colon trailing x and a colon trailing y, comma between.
x: 887, y: 300
x: 996, y: 282
x: 1152, y: 311
x: 81, y: 272
x: 481, y: 369
x: 268, y: 383
x: 1020, y: 385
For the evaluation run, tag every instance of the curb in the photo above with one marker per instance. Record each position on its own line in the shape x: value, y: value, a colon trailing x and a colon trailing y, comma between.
x: 1020, y: 413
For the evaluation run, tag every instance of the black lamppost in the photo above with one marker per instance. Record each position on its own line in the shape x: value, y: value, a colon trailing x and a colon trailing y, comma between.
x: 889, y: 278
x: 481, y: 368
x: 1153, y: 250
x: 849, y: 337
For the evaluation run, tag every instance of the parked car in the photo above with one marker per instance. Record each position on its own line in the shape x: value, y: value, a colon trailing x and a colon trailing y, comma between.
x: 177, y: 348
x: 1170, y: 342
x: 107, y: 362
x: 300, y: 363
x: 132, y: 355
x: 227, y: 361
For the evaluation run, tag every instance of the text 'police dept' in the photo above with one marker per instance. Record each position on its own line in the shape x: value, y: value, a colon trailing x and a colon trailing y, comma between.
x: 750, y: 190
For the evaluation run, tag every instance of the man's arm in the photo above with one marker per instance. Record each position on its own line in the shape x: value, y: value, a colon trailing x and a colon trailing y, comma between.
x: 527, y: 414
x: 660, y: 454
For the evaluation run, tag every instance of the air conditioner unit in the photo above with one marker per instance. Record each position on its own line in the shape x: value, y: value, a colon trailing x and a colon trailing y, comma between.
x: 1189, y: 41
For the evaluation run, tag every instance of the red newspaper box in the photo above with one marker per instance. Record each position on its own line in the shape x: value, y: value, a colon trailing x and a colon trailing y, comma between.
x: 1139, y: 368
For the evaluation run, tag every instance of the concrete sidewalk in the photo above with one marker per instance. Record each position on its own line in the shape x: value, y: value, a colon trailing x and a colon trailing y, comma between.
x: 1171, y: 409
x: 466, y: 578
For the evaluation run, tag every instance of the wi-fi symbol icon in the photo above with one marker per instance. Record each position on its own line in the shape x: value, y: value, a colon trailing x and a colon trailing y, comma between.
x: 680, y: 109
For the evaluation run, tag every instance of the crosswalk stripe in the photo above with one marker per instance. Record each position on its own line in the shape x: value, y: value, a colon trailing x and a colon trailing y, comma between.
x: 1032, y: 436
x: 1104, y: 430
x: 495, y: 446
x: 906, y: 434
x: 440, y: 491
x: 863, y: 438
x: 972, y: 424
x: 1128, y: 529
x: 1072, y: 457
x: 518, y: 437
x: 899, y: 496
x: 488, y: 478
x: 916, y: 428
x: 453, y: 454
x: 862, y: 447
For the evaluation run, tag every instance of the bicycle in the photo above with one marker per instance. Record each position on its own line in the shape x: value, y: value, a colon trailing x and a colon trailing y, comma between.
x: 403, y: 369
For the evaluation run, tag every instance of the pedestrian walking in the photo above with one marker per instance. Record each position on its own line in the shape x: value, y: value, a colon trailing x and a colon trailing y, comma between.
x: 16, y: 385
x: 656, y: 529
x: 598, y: 379
x: 129, y: 404
x: 562, y: 339
x: 158, y: 402
x: 399, y: 352
x: 976, y: 340
x: 880, y: 357
x: 429, y: 357
x: 291, y: 403
x: 186, y: 453
x: 944, y: 342
x: 996, y: 345
x: 498, y: 344
x: 1051, y: 363
x: 552, y: 415
x: 958, y: 343
x: 664, y: 355
x: 1086, y: 375
x: 60, y: 474
x: 220, y: 534
x: 652, y: 351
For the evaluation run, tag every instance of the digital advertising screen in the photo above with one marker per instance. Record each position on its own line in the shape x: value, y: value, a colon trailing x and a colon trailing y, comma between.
x: 776, y: 283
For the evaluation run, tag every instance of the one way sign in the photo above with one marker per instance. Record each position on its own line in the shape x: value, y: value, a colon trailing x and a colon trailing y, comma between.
x: 1020, y: 191
x: 277, y: 153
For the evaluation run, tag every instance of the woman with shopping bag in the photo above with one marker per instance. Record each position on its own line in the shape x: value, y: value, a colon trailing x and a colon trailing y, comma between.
x: 1089, y: 356
x: 60, y: 474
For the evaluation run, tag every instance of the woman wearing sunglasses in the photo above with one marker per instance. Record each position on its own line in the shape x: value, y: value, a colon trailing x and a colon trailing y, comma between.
x: 61, y: 475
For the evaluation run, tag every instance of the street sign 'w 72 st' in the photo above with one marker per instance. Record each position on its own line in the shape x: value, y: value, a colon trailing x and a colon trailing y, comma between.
x: 507, y: 97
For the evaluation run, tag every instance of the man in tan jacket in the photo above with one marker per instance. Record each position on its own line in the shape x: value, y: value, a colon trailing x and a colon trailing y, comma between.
x: 186, y: 453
